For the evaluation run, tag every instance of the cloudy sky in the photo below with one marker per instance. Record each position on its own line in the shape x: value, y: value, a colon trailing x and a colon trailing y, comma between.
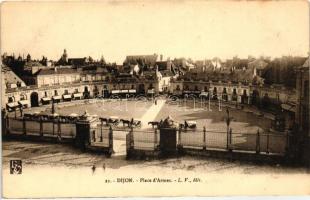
x: 200, y: 29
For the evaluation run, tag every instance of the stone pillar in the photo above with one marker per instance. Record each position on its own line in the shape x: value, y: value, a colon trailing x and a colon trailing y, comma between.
x: 168, y: 141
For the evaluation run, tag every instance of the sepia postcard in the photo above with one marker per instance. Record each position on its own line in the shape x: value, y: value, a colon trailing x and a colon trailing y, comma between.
x: 160, y: 98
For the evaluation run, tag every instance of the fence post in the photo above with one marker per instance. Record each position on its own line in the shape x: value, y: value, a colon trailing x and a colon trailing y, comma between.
x: 180, y: 140
x: 58, y: 130
x: 230, y: 139
x: 41, y: 127
x: 7, y: 124
x: 53, y: 127
x: 155, y: 138
x: 204, y: 139
x: 24, y: 126
x: 111, y: 138
x: 227, y: 138
x: 287, y: 148
x: 131, y: 138
x: 101, y: 138
x: 258, y: 142
x: 267, y: 149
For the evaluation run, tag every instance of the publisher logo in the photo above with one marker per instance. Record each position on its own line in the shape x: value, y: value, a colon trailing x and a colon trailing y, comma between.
x: 15, y: 166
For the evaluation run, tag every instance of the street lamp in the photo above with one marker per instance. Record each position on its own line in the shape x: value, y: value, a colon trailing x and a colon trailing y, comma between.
x: 228, y: 120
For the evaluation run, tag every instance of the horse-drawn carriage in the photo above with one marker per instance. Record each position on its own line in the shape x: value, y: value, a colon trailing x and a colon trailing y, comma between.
x: 188, y: 125
x: 131, y: 123
x: 113, y: 120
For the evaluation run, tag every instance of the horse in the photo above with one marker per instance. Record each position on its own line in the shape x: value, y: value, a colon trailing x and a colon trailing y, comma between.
x: 154, y: 123
x: 136, y: 123
x: 190, y: 125
x: 187, y: 125
x: 125, y: 122
x: 114, y: 122
x: 104, y: 120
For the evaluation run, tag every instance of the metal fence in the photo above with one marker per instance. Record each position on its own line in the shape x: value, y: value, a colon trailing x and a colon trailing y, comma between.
x: 143, y: 140
x: 47, y: 128
x: 234, y: 141
x: 100, y: 136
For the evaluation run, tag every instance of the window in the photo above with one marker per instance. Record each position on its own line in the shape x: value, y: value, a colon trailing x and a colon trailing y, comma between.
x: 235, y: 91
x: 178, y: 87
x: 214, y: 90
x: 76, y: 91
x: 66, y: 92
x: 23, y: 97
x: 196, y: 87
x: 206, y: 89
x: 224, y: 91
x: 45, y: 93
x: 132, y: 87
x: 55, y: 92
x: 11, y: 99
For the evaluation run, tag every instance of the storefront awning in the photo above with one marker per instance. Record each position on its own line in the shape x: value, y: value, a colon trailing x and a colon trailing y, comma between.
x: 46, y: 99
x: 77, y: 95
x: 56, y: 97
x: 204, y: 94
x: 288, y: 107
x: 13, y: 85
x: 151, y: 91
x: 191, y: 92
x: 12, y: 104
x: 23, y: 102
x: 132, y: 91
x: 67, y: 96
x: 115, y: 91
x: 124, y: 91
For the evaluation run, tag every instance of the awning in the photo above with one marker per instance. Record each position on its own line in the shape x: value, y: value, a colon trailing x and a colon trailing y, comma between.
x: 77, y: 95
x: 124, y: 91
x: 191, y: 92
x: 288, y: 107
x: 12, y: 104
x: 13, y: 85
x: 56, y: 97
x: 151, y: 91
x: 46, y: 99
x: 115, y: 91
x: 132, y: 91
x: 204, y: 94
x: 23, y: 102
x: 67, y: 96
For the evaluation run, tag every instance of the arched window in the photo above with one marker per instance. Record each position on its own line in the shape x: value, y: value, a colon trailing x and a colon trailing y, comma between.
x: 23, y: 97
x: 11, y: 99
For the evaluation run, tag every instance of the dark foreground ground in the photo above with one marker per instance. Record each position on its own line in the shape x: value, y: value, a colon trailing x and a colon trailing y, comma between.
x: 58, y: 170
x: 64, y: 155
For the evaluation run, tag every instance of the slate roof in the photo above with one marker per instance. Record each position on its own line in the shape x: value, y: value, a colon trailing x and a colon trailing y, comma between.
x: 51, y: 71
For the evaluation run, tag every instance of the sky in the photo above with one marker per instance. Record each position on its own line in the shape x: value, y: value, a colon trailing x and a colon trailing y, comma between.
x: 195, y: 29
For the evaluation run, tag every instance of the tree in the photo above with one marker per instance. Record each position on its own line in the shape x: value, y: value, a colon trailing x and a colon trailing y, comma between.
x: 28, y: 58
x: 102, y: 60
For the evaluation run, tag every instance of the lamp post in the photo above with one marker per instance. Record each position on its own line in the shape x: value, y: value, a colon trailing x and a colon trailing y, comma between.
x: 53, y: 106
x: 228, y: 120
